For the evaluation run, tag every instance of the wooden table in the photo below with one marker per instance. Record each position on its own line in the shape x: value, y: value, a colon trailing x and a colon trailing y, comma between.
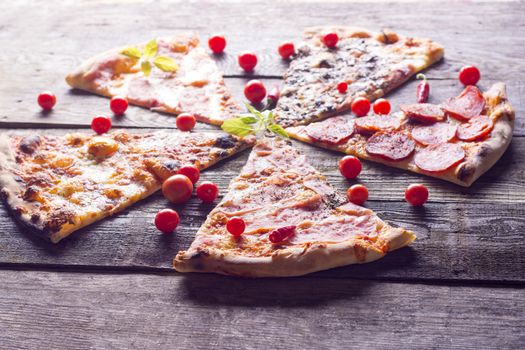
x: 460, y: 285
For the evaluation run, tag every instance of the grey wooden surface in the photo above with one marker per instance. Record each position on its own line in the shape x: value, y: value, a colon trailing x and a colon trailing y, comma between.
x: 460, y: 285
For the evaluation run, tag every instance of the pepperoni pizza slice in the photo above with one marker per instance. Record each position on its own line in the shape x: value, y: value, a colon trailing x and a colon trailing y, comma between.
x: 457, y: 141
x: 55, y: 185
x: 171, y: 75
x: 371, y: 64
x: 295, y: 222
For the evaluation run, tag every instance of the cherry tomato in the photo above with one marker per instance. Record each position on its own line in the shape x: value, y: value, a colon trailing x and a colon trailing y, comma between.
x: 167, y: 220
x: 416, y: 194
x: 247, y: 61
x: 101, y: 124
x: 185, y: 121
x: 350, y: 167
x: 382, y: 106
x: 273, y: 96
x: 330, y: 39
x: 254, y: 91
x: 177, y: 188
x: 47, y: 100
x: 469, y: 75
x: 236, y: 226
x: 217, y: 43
x: 191, y: 171
x: 286, y: 49
x: 207, y: 191
x: 357, y: 194
x: 360, y: 106
x: 118, y: 105
x: 342, y: 87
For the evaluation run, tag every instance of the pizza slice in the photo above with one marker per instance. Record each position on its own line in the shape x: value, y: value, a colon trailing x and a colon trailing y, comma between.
x: 456, y: 141
x: 55, y: 185
x: 296, y: 223
x: 372, y: 64
x: 171, y: 75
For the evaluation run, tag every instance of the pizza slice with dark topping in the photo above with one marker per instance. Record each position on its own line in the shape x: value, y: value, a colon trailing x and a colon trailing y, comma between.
x: 371, y: 64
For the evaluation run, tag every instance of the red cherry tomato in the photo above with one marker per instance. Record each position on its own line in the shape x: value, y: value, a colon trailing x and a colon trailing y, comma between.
x: 236, y: 226
x: 254, y: 91
x: 350, y: 167
x: 286, y: 49
x: 191, y: 171
x: 469, y: 75
x: 101, y: 124
x: 416, y: 194
x: 330, y: 39
x: 382, y: 106
x: 247, y: 61
x: 282, y: 234
x: 177, y: 189
x: 361, y: 106
x: 273, y: 96
x: 167, y: 220
x: 47, y: 100
x: 185, y: 121
x: 342, y: 87
x: 118, y: 105
x: 217, y: 43
x: 357, y: 194
x: 207, y: 191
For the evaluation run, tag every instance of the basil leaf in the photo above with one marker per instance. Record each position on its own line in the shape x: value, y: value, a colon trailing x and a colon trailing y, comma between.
x: 254, y: 111
x: 150, y: 49
x: 237, y: 127
x: 277, y: 129
x: 145, y: 67
x: 132, y: 52
x: 167, y: 64
x: 249, y: 119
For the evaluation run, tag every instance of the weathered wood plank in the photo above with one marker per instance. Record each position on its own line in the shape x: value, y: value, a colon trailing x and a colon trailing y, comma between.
x: 81, y: 311
x: 462, y: 234
x: 49, y: 32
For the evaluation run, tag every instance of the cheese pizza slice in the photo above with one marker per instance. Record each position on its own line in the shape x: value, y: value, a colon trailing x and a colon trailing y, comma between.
x: 171, y: 75
x: 55, y: 185
x: 456, y: 141
x: 295, y: 222
x: 372, y: 64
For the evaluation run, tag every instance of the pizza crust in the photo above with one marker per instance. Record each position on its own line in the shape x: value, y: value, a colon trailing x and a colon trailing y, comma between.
x: 293, y: 261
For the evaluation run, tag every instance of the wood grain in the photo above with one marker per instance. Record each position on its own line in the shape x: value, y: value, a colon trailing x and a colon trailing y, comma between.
x: 80, y: 311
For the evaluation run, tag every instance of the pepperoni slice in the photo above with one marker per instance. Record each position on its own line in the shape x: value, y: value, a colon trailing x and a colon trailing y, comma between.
x: 373, y: 123
x: 334, y: 131
x: 424, y: 112
x: 435, y: 133
x: 476, y: 128
x: 391, y: 145
x: 470, y: 103
x: 439, y: 157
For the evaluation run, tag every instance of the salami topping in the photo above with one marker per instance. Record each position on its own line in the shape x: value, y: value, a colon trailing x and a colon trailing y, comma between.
x: 470, y: 103
x: 334, y: 131
x: 424, y: 112
x: 476, y: 128
x: 439, y: 157
x: 373, y: 123
x: 391, y: 145
x: 435, y: 133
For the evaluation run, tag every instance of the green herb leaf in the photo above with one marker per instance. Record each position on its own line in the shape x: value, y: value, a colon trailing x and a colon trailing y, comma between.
x: 277, y: 129
x: 237, y: 127
x: 150, y: 49
x: 269, y: 117
x: 145, y: 66
x: 254, y: 111
x: 167, y: 64
x: 132, y: 52
x: 249, y: 119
